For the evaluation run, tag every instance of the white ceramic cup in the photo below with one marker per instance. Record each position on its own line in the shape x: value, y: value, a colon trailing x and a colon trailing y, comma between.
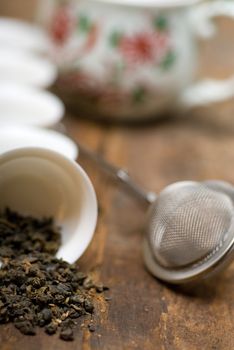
x: 129, y: 59
x: 14, y: 136
x: 21, y: 104
x: 43, y: 183
x: 25, y: 67
x: 22, y: 35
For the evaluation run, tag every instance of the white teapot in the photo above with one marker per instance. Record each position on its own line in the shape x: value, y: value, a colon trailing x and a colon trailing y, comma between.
x: 132, y: 59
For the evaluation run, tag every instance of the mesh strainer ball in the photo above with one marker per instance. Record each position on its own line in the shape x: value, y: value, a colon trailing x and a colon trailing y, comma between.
x: 190, y: 229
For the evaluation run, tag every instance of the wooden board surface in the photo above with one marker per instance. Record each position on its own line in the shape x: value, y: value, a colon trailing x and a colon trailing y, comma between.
x: 144, y: 314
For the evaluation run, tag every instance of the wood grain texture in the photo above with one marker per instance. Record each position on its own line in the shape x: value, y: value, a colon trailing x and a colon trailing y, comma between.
x: 145, y: 314
x: 18, y: 8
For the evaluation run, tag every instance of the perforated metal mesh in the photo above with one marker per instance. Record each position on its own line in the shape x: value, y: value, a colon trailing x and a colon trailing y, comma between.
x: 187, y: 222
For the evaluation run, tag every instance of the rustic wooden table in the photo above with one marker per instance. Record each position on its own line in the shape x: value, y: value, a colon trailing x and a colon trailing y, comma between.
x: 143, y: 313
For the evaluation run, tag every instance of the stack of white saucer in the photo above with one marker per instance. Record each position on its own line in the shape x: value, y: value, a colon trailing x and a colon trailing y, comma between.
x: 27, y: 109
x: 38, y: 172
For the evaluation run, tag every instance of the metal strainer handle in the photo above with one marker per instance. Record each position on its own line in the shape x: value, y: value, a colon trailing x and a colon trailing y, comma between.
x: 121, y: 176
x: 118, y: 174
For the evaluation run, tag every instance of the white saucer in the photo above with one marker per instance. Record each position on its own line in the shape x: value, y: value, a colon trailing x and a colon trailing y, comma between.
x: 16, y: 33
x: 28, y: 105
x: 26, y: 67
x: 18, y: 136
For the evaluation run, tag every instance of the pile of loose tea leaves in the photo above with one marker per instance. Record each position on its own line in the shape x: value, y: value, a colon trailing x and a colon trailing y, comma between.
x: 38, y: 289
x: 24, y: 234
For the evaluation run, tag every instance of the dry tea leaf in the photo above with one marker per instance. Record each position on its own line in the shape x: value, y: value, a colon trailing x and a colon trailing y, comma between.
x: 37, y: 289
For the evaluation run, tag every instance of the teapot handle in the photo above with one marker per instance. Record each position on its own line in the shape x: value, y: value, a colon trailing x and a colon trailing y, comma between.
x: 208, y: 91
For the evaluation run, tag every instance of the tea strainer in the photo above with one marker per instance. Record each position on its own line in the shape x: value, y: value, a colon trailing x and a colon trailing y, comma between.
x: 190, y: 231
x: 189, y: 227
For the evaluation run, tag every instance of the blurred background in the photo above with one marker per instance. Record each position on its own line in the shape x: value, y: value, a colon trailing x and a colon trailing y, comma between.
x: 24, y: 9
x: 215, y: 57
